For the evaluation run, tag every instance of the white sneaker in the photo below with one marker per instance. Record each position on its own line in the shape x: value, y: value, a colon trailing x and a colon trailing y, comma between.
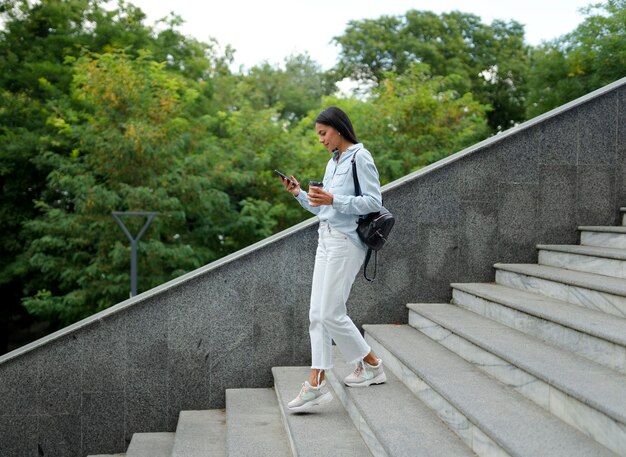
x: 365, y: 375
x: 310, y: 396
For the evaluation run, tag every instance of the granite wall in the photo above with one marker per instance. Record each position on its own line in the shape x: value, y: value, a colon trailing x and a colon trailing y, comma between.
x: 132, y: 368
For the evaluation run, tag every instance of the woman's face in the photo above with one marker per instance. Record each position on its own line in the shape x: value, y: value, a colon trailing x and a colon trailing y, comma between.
x: 329, y: 136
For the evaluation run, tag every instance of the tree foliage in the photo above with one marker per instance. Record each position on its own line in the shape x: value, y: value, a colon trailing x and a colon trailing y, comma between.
x: 100, y: 112
x: 591, y: 56
x: 294, y: 90
x: 124, y: 126
x: 415, y: 119
x: 490, y: 60
x: 72, y: 149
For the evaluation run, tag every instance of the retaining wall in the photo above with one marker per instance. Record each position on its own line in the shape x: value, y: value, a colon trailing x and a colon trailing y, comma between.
x: 132, y: 368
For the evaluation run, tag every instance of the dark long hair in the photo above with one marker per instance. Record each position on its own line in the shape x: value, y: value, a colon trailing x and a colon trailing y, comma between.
x: 337, y: 119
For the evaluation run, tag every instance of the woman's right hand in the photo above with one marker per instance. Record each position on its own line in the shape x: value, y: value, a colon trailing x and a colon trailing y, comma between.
x: 291, y: 185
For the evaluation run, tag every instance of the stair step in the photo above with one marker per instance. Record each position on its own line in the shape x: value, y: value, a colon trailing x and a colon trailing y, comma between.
x: 392, y: 420
x: 201, y: 433
x: 593, y: 334
x: 254, y: 424
x: 490, y: 417
x: 591, y: 259
x: 584, y: 394
x: 590, y: 290
x: 150, y: 445
x: 324, y: 430
x: 608, y: 236
x: 108, y: 455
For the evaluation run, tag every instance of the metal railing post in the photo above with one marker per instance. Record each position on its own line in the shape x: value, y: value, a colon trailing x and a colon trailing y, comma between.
x: 134, y: 241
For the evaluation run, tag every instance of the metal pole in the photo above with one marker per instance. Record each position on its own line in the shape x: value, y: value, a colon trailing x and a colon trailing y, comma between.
x: 134, y: 242
x: 133, y: 268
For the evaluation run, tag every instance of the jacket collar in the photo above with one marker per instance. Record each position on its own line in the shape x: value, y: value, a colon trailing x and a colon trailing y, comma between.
x: 347, y: 153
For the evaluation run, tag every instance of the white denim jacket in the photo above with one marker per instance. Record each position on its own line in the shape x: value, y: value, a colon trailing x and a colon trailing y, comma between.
x: 347, y: 207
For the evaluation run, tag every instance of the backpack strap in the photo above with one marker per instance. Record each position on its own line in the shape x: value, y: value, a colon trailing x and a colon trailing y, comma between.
x: 367, y: 260
x: 355, y: 177
x: 357, y: 191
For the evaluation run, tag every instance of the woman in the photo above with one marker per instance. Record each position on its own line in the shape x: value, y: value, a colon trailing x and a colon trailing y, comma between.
x: 340, y: 254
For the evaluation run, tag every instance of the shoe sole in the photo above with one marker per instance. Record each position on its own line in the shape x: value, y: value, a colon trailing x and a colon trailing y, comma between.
x: 327, y: 397
x: 381, y: 378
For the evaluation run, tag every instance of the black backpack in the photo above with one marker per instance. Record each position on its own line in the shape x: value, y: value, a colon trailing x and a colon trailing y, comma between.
x: 373, y: 229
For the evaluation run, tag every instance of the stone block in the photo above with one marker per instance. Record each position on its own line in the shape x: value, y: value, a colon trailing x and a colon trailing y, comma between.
x: 189, y: 381
x: 437, y: 196
x: 621, y: 122
x: 19, y: 436
x: 104, y: 354
x: 621, y: 148
x: 273, y: 326
x: 478, y: 176
x: 478, y: 249
x: 596, y: 195
x: 558, y: 140
x: 379, y: 301
x: 60, y: 377
x: 598, y: 131
x: 147, y: 335
x: 518, y: 157
x: 60, y: 434
x: 297, y: 286
x: 517, y: 222
x: 146, y: 403
x: 398, y: 277
x: 103, y: 422
x: 400, y: 203
x: 232, y: 367
x: 231, y: 344
x: 189, y: 312
x: 437, y: 266
x: 20, y: 387
x: 556, y: 213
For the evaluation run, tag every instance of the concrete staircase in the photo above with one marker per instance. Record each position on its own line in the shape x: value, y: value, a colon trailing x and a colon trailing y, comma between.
x: 531, y: 365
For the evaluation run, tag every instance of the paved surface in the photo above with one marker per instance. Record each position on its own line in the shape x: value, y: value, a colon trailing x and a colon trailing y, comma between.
x: 517, y: 425
x: 325, y: 431
x: 401, y: 423
x: 255, y: 425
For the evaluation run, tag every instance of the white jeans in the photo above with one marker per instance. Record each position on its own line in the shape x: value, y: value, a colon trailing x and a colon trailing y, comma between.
x: 337, y: 262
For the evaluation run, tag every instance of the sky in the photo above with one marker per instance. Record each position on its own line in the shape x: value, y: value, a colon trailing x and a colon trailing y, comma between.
x: 271, y: 30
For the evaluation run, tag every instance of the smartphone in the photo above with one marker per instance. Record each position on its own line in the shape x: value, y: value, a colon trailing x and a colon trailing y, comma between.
x: 282, y: 175
x: 316, y: 184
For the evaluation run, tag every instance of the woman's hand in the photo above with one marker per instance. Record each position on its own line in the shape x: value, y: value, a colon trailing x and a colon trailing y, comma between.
x: 291, y: 185
x: 318, y: 196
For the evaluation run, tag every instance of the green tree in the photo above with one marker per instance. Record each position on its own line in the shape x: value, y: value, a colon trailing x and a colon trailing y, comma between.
x: 293, y: 91
x: 251, y: 143
x: 37, y: 39
x: 38, y: 36
x: 130, y: 137
x: 408, y: 121
x: 490, y: 59
x: 414, y: 119
x: 101, y: 113
x: 135, y: 145
x: 591, y: 56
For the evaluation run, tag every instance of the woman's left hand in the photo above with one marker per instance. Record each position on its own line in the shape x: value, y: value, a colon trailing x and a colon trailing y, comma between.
x: 318, y: 197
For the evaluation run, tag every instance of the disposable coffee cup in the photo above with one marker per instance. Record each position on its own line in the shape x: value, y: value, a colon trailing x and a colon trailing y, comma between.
x: 313, y: 184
